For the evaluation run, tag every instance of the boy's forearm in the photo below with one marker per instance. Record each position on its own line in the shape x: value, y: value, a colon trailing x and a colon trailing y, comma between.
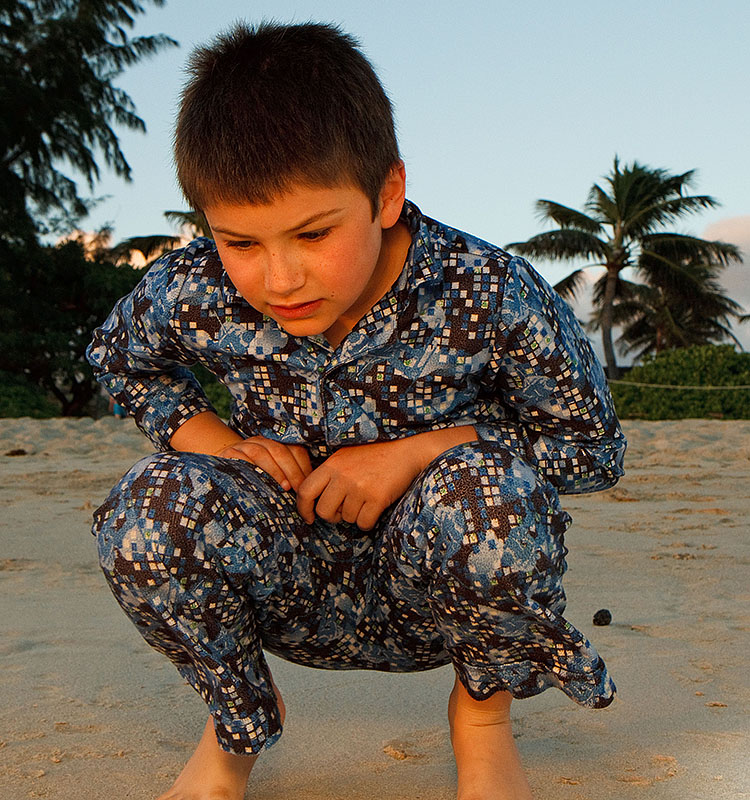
x: 432, y: 443
x: 204, y: 433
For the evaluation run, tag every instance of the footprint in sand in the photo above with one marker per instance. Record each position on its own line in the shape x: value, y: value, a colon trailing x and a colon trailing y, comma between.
x: 418, y: 748
x: 402, y: 750
x: 15, y: 564
x: 661, y: 768
x: 620, y: 496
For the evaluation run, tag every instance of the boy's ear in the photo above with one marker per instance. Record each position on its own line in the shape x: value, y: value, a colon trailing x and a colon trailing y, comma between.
x: 392, y: 195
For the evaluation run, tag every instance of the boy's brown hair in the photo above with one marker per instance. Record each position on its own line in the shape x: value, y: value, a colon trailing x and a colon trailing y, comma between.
x: 273, y: 105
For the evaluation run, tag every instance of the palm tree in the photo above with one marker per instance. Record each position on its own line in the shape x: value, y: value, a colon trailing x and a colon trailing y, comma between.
x: 148, y: 248
x: 192, y: 224
x: 59, y: 60
x: 623, y: 225
x: 654, y: 318
x: 193, y: 221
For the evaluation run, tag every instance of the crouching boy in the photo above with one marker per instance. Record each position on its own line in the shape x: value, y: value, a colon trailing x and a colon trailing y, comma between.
x: 408, y: 403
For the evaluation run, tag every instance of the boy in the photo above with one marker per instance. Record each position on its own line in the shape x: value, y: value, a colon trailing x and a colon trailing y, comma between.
x: 408, y: 401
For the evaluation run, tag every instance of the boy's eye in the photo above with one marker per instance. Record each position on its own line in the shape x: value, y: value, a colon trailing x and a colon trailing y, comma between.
x: 314, y: 236
x: 240, y: 244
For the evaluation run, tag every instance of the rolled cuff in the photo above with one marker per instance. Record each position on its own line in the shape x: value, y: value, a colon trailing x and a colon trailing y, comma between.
x: 165, y: 411
x: 572, y: 464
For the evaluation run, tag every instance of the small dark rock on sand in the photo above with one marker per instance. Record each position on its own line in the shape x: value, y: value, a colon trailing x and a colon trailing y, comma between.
x: 602, y: 617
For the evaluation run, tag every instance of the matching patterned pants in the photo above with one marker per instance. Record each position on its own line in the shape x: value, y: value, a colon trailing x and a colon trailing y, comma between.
x: 213, y: 564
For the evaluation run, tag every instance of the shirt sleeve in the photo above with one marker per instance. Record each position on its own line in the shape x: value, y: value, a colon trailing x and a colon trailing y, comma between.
x: 559, y: 412
x: 138, y: 358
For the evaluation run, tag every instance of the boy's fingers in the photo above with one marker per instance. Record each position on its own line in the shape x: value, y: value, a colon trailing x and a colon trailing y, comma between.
x: 268, y: 464
x: 288, y: 462
x: 329, y: 502
x: 257, y: 454
x: 309, y: 491
x: 276, y: 458
x: 368, y: 516
x: 351, y: 508
x: 302, y: 457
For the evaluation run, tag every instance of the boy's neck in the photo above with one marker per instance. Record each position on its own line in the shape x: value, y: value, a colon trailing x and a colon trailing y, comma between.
x: 393, y: 252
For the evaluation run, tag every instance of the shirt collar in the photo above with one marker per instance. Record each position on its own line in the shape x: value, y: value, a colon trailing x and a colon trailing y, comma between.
x: 229, y: 293
x: 423, y: 262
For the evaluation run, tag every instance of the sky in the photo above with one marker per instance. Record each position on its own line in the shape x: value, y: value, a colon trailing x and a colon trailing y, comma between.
x: 498, y: 104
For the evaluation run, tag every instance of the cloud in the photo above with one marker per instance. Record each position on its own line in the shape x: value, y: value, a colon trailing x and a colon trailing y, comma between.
x: 736, y: 277
x: 733, y: 229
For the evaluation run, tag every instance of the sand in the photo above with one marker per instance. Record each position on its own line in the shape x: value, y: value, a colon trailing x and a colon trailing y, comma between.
x: 89, y: 711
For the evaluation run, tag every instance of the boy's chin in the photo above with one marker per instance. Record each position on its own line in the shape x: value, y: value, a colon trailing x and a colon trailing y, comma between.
x: 302, y: 327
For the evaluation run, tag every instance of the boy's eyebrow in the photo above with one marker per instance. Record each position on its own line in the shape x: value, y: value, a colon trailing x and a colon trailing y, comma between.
x: 315, y: 218
x: 303, y: 224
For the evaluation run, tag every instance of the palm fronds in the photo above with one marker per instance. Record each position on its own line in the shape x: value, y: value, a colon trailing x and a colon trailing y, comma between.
x: 149, y: 247
x: 625, y: 224
x: 561, y: 244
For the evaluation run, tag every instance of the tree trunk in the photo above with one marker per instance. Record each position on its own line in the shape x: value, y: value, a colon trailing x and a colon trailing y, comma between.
x: 83, y: 391
x: 81, y: 394
x: 613, y: 371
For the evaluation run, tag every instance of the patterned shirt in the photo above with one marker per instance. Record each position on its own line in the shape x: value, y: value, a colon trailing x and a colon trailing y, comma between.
x: 468, y: 334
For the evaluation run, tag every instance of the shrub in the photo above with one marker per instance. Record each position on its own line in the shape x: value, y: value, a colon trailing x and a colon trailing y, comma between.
x: 700, y: 365
x: 21, y: 398
x: 54, y: 297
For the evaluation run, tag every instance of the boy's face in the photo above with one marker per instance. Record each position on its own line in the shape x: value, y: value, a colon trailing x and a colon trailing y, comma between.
x: 313, y: 259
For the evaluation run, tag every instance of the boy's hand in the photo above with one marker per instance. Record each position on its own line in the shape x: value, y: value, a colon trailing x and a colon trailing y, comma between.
x: 356, y: 484
x: 287, y: 464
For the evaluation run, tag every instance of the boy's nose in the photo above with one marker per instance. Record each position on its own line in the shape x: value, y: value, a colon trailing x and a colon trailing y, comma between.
x: 283, y: 274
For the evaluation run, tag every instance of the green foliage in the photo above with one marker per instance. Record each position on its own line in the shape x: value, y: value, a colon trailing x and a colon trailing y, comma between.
x: 21, y: 398
x: 216, y: 392
x: 52, y: 298
x: 194, y: 221
x: 58, y: 60
x: 704, y: 365
x: 153, y: 246
x: 690, y: 309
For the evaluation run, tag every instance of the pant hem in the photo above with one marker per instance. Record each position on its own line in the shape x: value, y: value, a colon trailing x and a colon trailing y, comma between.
x: 236, y: 739
x: 592, y: 689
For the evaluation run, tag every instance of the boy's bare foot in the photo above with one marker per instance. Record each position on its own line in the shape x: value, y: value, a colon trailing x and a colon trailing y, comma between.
x: 488, y: 763
x: 212, y: 773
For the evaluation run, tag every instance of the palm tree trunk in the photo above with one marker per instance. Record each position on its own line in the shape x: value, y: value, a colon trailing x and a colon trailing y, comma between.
x: 613, y: 371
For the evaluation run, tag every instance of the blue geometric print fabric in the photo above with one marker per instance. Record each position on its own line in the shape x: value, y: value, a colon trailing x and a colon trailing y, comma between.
x: 213, y: 563
x: 467, y: 335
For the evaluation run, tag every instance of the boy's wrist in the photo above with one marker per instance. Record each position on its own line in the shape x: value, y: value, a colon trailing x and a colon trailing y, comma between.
x: 434, y: 443
x: 204, y: 433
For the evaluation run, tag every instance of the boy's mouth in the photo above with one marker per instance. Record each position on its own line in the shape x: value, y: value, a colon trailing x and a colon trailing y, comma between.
x: 297, y: 310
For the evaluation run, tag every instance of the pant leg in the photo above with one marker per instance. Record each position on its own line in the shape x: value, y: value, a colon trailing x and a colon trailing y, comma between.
x: 477, y: 544
x: 192, y: 547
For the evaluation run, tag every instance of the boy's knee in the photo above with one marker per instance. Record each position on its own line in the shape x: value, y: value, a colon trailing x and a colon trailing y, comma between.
x: 482, y: 479
x: 151, y: 514
x: 176, y: 511
x: 489, y: 511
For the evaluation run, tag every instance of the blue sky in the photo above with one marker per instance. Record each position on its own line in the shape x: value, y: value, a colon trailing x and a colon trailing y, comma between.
x: 498, y: 103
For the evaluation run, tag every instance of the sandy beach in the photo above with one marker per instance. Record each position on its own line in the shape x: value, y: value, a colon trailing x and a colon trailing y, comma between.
x: 90, y: 711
